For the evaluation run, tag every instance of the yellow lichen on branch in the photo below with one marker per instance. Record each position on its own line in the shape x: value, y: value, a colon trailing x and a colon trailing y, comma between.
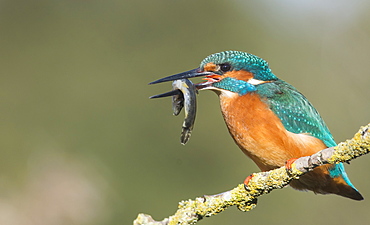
x: 353, y: 148
x: 245, y: 198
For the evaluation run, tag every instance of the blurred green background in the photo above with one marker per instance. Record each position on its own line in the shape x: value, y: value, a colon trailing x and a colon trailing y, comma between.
x: 81, y: 143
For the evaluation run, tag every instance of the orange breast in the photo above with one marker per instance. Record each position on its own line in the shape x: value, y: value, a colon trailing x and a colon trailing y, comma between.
x: 261, y: 135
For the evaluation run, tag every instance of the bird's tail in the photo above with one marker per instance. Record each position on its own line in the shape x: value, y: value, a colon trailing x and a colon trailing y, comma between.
x: 328, y: 179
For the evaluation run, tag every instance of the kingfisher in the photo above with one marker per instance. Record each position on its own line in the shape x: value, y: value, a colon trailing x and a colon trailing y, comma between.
x: 269, y: 119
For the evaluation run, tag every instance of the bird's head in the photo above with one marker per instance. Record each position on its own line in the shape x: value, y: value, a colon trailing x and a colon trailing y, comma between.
x: 229, y: 71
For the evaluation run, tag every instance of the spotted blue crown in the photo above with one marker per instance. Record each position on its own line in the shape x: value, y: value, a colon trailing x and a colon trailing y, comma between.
x: 242, y: 61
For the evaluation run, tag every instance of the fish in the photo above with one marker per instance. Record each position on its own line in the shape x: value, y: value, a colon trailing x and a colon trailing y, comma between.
x: 177, y: 100
x: 184, y: 95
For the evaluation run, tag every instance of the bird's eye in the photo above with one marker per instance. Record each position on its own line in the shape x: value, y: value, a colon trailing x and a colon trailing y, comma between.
x: 225, y: 67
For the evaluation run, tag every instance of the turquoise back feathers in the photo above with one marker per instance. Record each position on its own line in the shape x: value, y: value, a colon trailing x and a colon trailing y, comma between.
x: 295, y: 111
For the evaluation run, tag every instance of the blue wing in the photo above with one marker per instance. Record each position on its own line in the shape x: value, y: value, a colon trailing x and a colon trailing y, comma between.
x: 295, y: 111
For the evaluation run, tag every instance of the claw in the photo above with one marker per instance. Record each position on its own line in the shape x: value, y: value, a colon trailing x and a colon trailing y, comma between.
x: 246, y: 181
x: 289, y: 163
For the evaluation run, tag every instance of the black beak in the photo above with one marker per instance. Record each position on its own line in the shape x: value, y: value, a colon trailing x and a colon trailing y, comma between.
x: 188, y: 74
x: 167, y: 94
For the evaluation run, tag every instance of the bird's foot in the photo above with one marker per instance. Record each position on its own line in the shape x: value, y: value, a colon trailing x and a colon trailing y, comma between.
x: 289, y: 163
x: 246, y: 181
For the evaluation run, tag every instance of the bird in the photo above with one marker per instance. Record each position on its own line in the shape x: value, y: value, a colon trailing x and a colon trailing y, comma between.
x: 269, y: 119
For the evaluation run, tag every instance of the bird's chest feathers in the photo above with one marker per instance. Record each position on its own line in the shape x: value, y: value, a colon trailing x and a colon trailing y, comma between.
x: 260, y: 133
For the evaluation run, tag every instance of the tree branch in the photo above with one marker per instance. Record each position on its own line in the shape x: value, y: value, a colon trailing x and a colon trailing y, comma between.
x: 191, y: 211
